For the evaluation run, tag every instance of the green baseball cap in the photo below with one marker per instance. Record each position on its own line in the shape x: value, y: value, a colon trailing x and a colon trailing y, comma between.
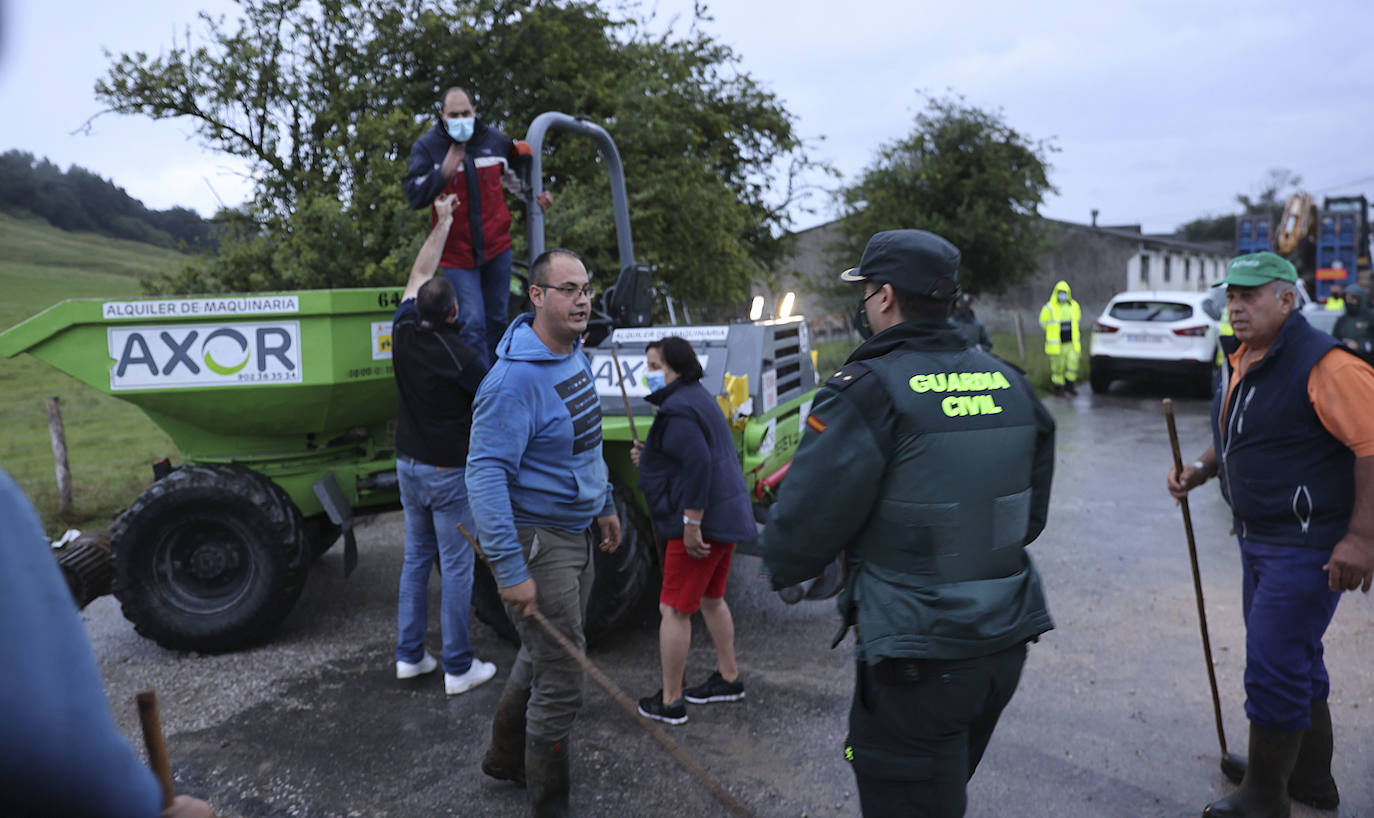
x: 1255, y: 269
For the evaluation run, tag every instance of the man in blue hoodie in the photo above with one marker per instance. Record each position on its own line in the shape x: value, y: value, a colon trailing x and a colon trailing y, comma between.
x: 60, y: 752
x: 536, y: 481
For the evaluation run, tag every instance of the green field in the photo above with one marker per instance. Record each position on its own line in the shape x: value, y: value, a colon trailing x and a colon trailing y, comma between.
x: 110, y: 444
x: 831, y: 355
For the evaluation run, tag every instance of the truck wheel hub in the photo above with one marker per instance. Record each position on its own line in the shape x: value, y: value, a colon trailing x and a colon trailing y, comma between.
x: 210, y: 561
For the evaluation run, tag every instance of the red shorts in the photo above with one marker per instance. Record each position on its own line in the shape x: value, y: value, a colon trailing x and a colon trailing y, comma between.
x: 687, y: 579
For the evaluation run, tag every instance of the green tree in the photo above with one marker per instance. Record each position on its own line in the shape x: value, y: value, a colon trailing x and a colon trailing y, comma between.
x: 1269, y: 195
x: 324, y: 100
x: 967, y: 175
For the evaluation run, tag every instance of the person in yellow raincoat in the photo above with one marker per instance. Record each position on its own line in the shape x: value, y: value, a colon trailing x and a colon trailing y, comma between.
x: 1060, y: 317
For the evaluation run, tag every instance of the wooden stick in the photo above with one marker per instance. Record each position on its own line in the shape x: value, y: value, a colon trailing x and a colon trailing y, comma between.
x: 59, y: 456
x: 618, y: 696
x: 634, y: 435
x: 157, y: 747
x: 625, y: 395
x: 1197, y: 576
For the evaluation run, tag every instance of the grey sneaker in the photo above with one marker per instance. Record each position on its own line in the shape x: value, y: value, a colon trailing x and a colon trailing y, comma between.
x: 715, y: 689
x: 652, y: 707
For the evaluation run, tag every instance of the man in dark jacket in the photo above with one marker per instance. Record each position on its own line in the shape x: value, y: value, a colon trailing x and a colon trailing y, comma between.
x: 1355, y: 329
x: 466, y: 157
x: 437, y: 376
x: 969, y: 326
x: 1293, y: 443
x: 928, y: 463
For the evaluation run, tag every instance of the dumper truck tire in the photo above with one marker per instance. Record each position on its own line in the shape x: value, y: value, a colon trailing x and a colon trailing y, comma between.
x: 210, y: 558
x: 622, y: 579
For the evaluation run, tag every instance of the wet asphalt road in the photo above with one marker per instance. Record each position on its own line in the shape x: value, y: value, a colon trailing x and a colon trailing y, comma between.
x: 1113, y: 716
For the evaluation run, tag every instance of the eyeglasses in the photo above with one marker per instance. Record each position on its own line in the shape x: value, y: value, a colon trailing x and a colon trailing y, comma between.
x: 571, y: 290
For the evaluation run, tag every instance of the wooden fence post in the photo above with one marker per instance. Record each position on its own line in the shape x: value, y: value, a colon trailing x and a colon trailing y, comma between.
x: 59, y: 456
x: 1020, y: 337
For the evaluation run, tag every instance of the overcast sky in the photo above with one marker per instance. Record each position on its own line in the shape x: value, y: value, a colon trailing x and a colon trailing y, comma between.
x: 1162, y: 111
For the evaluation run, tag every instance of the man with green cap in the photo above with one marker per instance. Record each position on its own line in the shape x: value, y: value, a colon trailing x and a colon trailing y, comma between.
x: 1355, y: 329
x: 1293, y: 443
x: 927, y: 463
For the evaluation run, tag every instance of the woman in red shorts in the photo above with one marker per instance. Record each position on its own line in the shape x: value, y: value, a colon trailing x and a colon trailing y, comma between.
x: 689, y: 473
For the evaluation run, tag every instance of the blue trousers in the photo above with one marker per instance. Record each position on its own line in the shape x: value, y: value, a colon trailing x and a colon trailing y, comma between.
x: 483, y: 300
x: 1287, y: 606
x: 435, y: 502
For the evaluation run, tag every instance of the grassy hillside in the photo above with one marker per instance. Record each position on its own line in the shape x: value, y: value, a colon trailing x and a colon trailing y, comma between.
x: 110, y: 444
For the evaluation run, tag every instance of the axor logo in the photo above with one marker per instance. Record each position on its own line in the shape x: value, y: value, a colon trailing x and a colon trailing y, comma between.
x: 205, y: 355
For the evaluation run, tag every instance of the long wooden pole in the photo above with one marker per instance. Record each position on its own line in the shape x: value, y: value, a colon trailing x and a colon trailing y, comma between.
x: 149, y: 719
x: 625, y: 395
x: 1197, y: 577
x: 618, y: 696
x: 59, y: 456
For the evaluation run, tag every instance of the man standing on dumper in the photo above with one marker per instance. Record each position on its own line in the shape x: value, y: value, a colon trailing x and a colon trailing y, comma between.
x: 537, y: 482
x: 926, y: 462
x: 466, y: 157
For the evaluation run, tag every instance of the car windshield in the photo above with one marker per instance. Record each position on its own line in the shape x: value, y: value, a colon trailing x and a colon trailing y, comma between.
x: 1151, y: 311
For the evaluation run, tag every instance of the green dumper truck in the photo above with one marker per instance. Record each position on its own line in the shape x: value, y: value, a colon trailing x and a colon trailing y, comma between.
x: 281, y: 405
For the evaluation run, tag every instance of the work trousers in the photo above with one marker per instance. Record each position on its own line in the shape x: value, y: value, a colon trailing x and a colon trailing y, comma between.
x: 560, y: 563
x: 1287, y: 606
x: 1064, y: 365
x: 918, y: 728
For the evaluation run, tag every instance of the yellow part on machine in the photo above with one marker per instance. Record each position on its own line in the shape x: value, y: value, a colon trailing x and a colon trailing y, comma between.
x: 1299, y: 222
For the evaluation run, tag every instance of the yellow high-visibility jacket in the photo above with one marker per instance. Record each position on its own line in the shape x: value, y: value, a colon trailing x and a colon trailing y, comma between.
x: 1054, y: 314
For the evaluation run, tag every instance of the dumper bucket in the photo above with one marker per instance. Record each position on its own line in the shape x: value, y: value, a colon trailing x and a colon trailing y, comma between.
x: 224, y: 376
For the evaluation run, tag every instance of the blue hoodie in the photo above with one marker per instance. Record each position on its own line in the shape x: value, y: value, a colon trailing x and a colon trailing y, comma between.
x: 60, y: 753
x: 534, y: 457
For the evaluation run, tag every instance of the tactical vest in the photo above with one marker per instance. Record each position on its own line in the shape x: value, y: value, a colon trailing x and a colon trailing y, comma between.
x: 1289, y: 482
x: 940, y: 568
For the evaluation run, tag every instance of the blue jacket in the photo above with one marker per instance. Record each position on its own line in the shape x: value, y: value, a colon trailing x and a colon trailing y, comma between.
x: 62, y: 754
x: 534, y: 457
x: 689, y: 461
x: 1288, y: 480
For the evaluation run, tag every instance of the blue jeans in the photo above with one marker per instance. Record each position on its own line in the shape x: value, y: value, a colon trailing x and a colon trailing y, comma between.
x: 483, y: 300
x: 435, y: 502
x: 1287, y: 605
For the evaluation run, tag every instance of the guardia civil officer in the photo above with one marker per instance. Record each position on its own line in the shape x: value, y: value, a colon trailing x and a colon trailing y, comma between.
x: 927, y: 462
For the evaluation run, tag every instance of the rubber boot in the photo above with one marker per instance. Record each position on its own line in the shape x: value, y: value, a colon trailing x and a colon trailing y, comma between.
x: 1263, y: 792
x: 1311, y: 782
x: 505, y: 758
x: 548, y: 777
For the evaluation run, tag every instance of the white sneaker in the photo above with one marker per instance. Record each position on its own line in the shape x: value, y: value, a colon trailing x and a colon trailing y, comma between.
x: 409, y: 670
x: 477, y: 674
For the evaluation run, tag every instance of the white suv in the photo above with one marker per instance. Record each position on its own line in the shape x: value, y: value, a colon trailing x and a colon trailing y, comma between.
x: 1153, y: 333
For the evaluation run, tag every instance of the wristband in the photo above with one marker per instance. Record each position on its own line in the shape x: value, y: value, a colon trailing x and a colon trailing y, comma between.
x: 689, y: 521
x: 1202, y: 467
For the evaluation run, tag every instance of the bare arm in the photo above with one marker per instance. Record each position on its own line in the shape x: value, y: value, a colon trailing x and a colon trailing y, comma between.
x: 427, y: 262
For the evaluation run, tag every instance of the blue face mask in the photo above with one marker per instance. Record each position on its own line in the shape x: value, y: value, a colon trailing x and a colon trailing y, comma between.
x: 655, y: 381
x: 461, y: 129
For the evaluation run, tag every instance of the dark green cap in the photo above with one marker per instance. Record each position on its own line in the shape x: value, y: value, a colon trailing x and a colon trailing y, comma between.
x: 1255, y: 269
x: 917, y: 261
